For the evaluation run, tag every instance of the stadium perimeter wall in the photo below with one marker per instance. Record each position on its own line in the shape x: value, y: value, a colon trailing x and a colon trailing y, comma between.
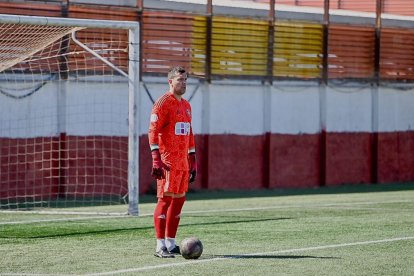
x: 248, y: 135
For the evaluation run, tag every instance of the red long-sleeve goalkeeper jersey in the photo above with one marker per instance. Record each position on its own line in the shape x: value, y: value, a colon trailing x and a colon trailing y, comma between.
x: 171, y: 132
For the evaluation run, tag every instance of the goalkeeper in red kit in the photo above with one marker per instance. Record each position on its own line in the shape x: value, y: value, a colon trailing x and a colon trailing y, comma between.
x: 174, y: 164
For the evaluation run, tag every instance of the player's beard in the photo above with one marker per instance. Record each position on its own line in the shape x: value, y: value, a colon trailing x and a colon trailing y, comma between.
x: 180, y: 91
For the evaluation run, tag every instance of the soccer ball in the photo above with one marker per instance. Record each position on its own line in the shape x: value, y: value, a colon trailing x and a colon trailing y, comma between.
x: 191, y: 248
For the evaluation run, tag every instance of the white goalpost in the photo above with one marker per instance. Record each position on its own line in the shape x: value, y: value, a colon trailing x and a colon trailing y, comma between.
x: 69, y: 92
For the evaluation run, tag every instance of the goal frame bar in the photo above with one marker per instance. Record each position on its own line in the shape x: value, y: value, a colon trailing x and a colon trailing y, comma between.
x: 133, y: 83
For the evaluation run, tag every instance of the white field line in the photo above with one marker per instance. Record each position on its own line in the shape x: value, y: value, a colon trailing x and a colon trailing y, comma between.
x: 297, y: 206
x: 56, y: 220
x: 99, y: 215
x: 64, y: 213
x: 194, y: 262
x: 224, y: 258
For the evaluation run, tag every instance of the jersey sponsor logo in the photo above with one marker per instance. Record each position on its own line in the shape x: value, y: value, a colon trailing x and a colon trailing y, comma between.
x: 154, y: 118
x: 182, y: 128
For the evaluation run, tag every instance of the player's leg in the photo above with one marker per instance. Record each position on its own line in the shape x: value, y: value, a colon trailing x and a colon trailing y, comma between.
x: 179, y: 187
x: 173, y: 220
x: 160, y: 220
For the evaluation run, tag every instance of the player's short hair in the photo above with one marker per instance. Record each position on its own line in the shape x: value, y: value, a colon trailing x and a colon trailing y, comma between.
x: 175, y: 71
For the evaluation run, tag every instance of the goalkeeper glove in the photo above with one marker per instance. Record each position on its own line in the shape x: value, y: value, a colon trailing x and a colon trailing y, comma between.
x: 193, y: 167
x: 158, y: 166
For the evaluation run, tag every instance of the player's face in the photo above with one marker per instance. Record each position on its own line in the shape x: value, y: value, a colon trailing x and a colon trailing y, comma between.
x: 178, y: 84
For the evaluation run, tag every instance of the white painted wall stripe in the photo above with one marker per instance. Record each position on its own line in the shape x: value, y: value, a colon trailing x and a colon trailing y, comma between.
x: 237, y: 108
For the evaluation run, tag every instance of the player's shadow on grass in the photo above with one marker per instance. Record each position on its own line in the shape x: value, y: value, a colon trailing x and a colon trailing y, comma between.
x: 78, y: 232
x: 234, y: 221
x: 267, y: 256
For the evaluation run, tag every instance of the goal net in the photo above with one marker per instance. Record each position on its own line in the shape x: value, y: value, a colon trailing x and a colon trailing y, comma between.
x: 68, y: 108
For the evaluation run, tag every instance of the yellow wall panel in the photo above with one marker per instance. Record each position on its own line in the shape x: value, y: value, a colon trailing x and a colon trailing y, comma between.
x: 199, y: 45
x: 239, y: 46
x: 297, y: 50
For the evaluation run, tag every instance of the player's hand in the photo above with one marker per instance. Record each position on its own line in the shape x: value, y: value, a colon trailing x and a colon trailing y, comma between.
x: 158, y: 166
x: 193, y: 167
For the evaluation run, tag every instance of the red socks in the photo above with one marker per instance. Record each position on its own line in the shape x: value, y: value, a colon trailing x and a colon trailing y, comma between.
x: 160, y: 216
x: 173, y: 216
x: 167, y: 216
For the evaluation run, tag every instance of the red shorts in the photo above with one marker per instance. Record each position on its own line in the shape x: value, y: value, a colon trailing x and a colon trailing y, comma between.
x: 175, y: 181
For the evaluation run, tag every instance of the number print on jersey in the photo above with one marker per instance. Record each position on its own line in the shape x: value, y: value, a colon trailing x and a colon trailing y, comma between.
x: 182, y: 128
